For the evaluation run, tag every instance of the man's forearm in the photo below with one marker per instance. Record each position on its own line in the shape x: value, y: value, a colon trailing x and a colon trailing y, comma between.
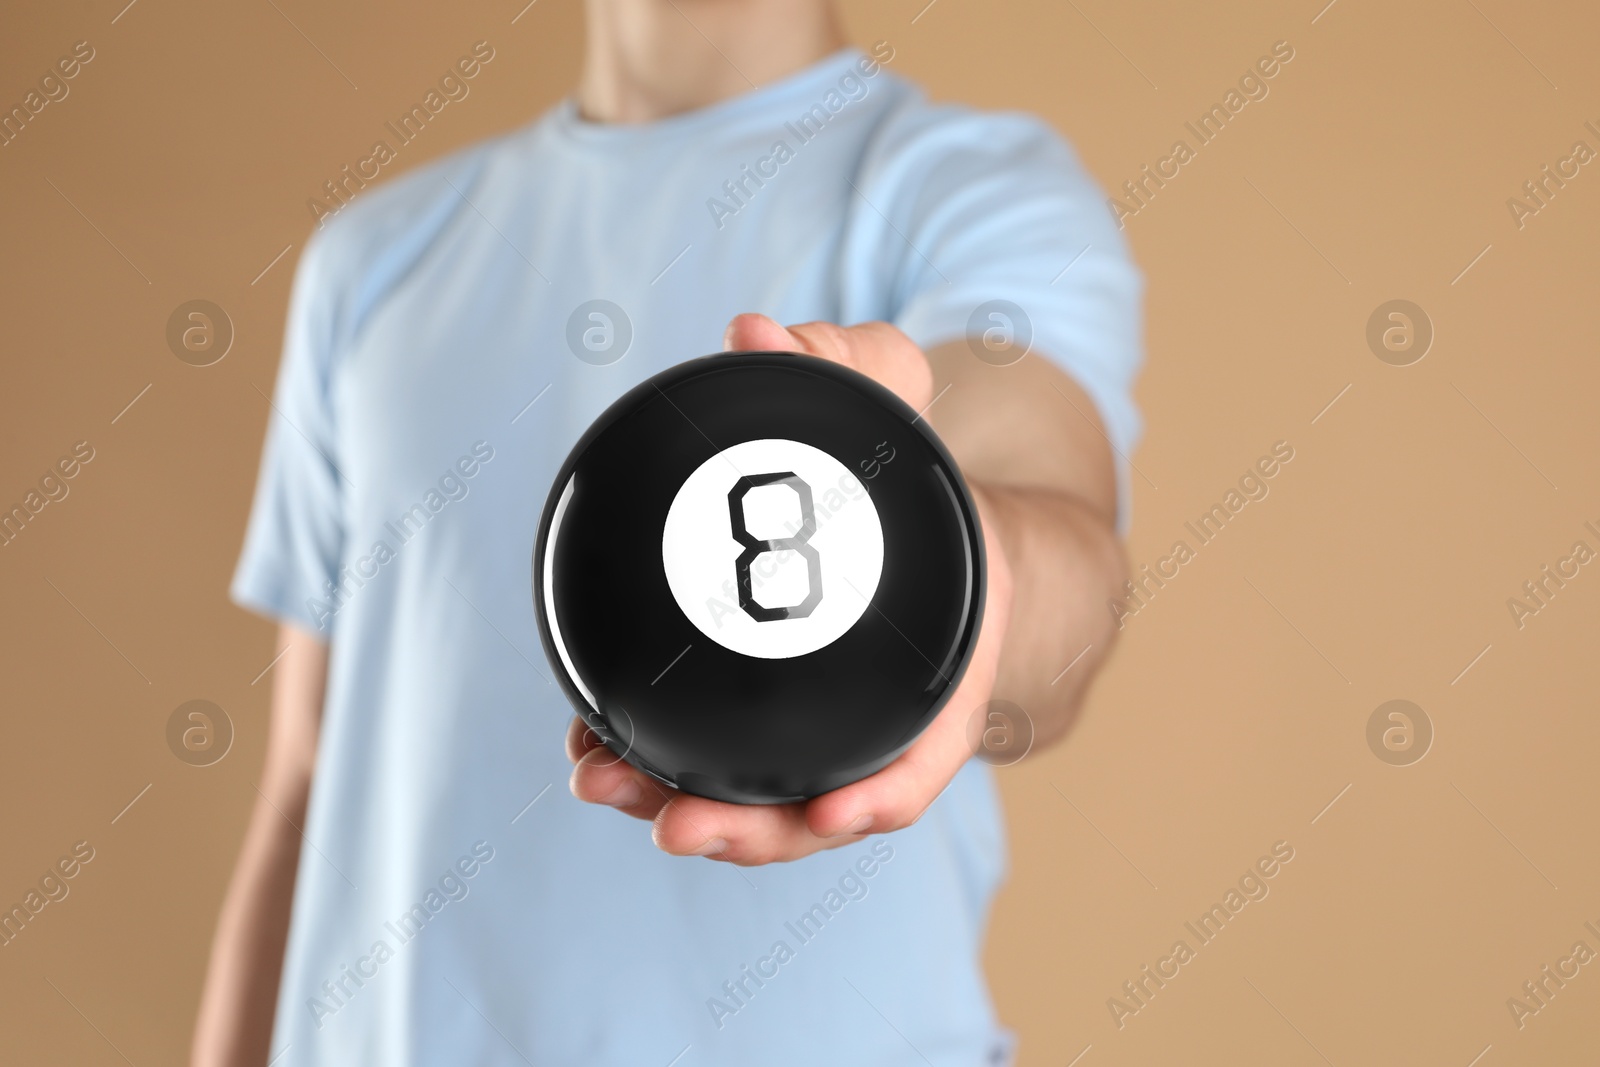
x: 240, y: 996
x: 1031, y: 445
x: 1066, y: 563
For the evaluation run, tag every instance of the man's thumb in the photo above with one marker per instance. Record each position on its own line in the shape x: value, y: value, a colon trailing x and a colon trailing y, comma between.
x: 757, y: 333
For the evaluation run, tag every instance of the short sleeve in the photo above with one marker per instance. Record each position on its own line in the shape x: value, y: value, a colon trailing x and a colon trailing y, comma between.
x: 296, y: 531
x: 996, y: 207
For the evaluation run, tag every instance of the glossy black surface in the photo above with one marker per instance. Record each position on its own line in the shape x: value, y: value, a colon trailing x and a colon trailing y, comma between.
x: 722, y: 724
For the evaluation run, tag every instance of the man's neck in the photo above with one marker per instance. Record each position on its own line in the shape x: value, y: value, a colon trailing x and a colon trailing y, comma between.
x: 647, y: 59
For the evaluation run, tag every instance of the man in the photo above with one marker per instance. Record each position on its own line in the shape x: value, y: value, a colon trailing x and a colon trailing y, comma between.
x: 723, y: 167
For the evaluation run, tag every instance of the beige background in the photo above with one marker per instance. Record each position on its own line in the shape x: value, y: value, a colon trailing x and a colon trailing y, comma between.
x: 1236, y: 708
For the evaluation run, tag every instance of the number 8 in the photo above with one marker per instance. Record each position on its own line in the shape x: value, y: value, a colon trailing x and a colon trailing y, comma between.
x: 754, y: 547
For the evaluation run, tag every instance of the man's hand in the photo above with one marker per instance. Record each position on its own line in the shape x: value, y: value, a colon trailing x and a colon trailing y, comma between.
x: 894, y: 797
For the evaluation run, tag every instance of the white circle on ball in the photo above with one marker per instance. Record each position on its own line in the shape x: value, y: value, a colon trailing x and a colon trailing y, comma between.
x: 809, y: 581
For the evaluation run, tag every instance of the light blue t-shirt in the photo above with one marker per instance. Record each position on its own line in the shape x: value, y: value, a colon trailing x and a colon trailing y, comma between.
x: 455, y: 904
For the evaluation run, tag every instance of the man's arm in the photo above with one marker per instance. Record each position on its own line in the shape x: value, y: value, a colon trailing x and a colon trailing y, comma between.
x: 1042, y: 477
x: 1028, y: 440
x: 237, y: 1004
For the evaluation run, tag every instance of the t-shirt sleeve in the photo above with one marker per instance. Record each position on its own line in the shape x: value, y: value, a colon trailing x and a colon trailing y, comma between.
x: 296, y: 531
x: 1003, y: 230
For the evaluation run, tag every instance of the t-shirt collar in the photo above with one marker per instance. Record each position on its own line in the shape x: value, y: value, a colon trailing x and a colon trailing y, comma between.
x: 770, y: 102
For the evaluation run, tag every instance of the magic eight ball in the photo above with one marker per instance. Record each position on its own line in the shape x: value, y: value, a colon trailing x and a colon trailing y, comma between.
x: 759, y: 576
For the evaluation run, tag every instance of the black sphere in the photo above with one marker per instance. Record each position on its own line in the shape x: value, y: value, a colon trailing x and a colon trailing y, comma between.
x: 759, y: 576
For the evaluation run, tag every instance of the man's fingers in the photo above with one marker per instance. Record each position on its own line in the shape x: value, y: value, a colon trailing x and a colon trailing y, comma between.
x: 580, y: 739
x: 696, y: 826
x: 600, y: 777
x: 896, y: 796
x: 687, y: 825
x: 876, y: 349
x: 748, y: 835
x: 757, y: 333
